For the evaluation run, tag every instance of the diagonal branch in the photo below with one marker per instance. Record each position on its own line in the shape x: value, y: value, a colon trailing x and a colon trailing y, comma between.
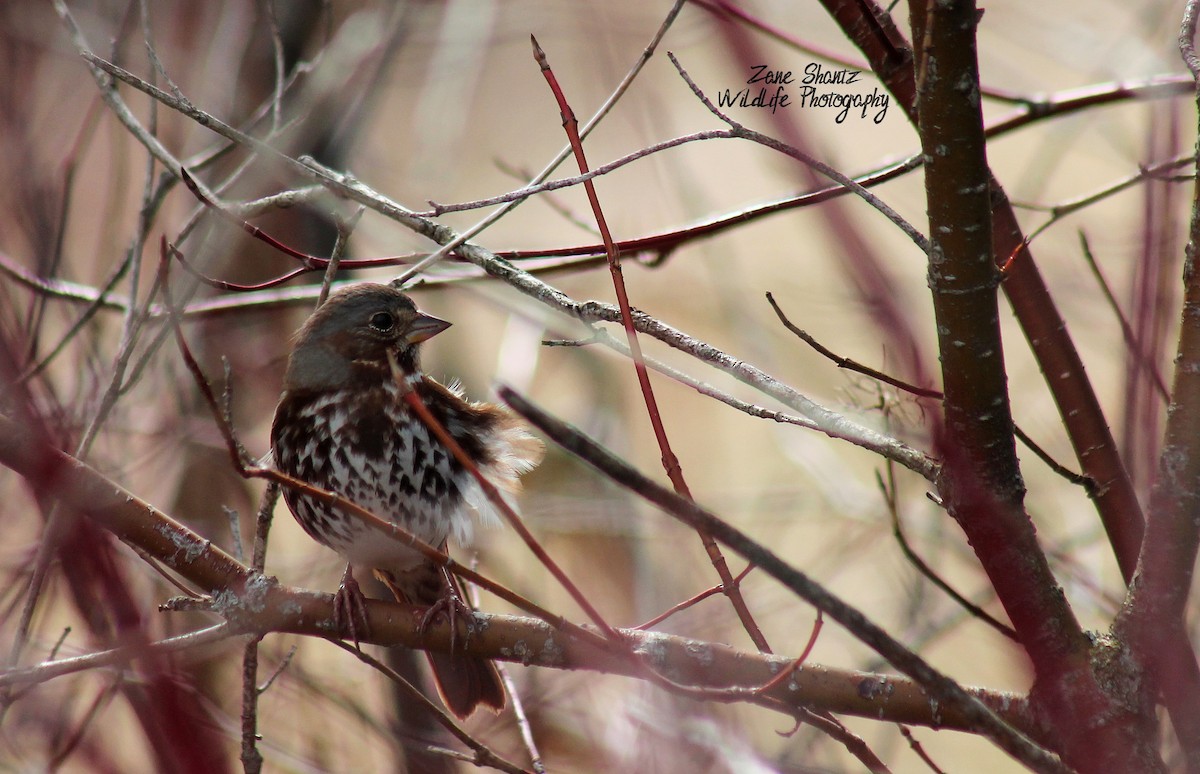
x: 945, y: 690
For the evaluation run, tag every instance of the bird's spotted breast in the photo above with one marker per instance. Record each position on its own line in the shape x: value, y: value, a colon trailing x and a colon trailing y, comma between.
x: 367, y: 446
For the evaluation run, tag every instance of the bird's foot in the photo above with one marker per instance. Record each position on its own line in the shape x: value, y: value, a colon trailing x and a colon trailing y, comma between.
x: 350, y: 608
x: 452, y: 606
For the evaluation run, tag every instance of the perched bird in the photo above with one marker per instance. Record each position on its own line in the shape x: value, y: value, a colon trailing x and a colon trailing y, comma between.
x: 342, y: 425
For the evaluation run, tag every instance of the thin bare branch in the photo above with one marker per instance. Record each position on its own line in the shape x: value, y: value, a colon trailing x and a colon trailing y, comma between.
x: 116, y: 657
x: 739, y: 130
x: 483, y: 755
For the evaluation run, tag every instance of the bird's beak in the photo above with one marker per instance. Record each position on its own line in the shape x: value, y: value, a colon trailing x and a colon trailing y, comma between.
x: 424, y: 327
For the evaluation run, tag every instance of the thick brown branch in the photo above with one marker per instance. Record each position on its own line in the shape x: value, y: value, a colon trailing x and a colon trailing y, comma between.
x: 981, y: 480
x: 255, y: 604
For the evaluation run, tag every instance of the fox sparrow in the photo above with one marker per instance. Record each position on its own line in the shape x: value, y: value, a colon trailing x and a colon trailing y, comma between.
x: 342, y: 425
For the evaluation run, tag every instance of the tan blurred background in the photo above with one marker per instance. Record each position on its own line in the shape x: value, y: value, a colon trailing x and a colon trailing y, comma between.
x: 431, y: 101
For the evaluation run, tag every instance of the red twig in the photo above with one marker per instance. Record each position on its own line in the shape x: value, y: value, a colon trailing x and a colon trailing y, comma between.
x: 213, y: 282
x: 919, y: 750
x: 691, y: 602
x: 571, y: 126
x: 493, y: 495
x: 308, y: 261
x: 246, y: 226
x: 1022, y: 247
x: 780, y: 678
x: 669, y: 460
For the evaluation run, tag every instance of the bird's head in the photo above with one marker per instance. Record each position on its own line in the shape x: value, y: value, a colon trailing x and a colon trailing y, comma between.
x: 351, y: 336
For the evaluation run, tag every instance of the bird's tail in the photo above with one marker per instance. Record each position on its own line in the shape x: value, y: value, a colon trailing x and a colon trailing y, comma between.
x: 464, y: 682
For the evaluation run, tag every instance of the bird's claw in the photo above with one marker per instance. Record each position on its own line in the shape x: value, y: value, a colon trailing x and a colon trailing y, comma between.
x: 452, y: 607
x: 350, y: 609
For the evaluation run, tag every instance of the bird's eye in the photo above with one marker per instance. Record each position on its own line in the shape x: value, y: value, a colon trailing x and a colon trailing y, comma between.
x: 382, y: 322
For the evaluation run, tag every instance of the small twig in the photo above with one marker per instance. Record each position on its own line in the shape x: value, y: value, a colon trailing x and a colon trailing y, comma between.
x: 154, y: 564
x: 248, y: 227
x: 277, y: 52
x: 785, y: 673
x: 72, y: 739
x: 235, y: 532
x: 152, y: 53
x: 262, y: 524
x: 279, y: 670
x: 517, y: 703
x: 602, y: 337
x: 237, y: 287
x: 59, y: 643
x: 227, y: 404
x: 344, y: 229
x: 919, y: 750
x: 571, y: 342
x: 484, y: 756
x: 888, y: 489
x: 667, y: 241
x: 70, y: 167
x: 822, y: 720
x: 1156, y: 171
x: 551, y: 201
x: 97, y: 302
x: 522, y: 718
x: 1087, y: 482
x: 50, y: 670
x: 252, y: 759
x: 922, y: 392
x: 308, y: 262
x: 829, y: 725
x: 847, y: 363
x: 583, y: 177
x: 690, y: 602
x: 1126, y: 329
x: 237, y: 452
